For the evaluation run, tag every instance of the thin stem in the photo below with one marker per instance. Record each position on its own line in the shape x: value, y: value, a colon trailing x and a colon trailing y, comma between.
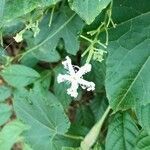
x: 90, y: 55
x: 91, y: 137
x: 91, y: 47
x: 106, y: 36
x: 1, y: 38
x: 89, y: 40
x: 51, y: 17
x: 85, y: 52
x: 103, y: 45
x: 109, y: 13
x: 73, y: 137
x: 113, y: 24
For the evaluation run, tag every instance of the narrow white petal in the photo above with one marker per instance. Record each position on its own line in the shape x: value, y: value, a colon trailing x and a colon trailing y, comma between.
x: 90, y: 86
x: 62, y: 78
x: 72, y: 91
x: 84, y: 69
x: 68, y: 66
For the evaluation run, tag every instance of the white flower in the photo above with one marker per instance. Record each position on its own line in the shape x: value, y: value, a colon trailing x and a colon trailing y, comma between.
x: 75, y: 77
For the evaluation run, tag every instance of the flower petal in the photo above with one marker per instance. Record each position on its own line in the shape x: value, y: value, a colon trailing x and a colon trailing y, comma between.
x: 84, y: 69
x: 90, y: 86
x: 62, y: 78
x: 68, y: 66
x: 72, y: 91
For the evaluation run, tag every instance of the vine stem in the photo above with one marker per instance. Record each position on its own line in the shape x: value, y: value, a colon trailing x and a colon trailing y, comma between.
x: 51, y: 16
x: 91, y: 137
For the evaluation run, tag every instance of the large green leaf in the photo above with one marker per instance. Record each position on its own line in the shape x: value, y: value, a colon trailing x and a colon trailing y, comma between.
x: 88, y: 10
x: 65, y: 25
x: 10, y: 134
x: 122, y: 133
x: 43, y: 112
x: 19, y: 75
x: 127, y: 73
x: 17, y: 8
x: 143, y: 141
x: 5, y: 113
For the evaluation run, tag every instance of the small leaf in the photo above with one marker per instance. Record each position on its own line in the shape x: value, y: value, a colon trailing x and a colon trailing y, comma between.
x: 5, y: 113
x: 10, y: 134
x: 19, y: 75
x: 122, y: 133
x: 88, y: 10
x: 5, y: 92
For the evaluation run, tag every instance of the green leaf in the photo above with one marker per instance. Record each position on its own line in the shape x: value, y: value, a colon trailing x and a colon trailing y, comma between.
x: 5, y: 92
x: 127, y: 73
x: 66, y: 25
x: 122, y: 133
x: 43, y: 112
x: 143, y: 141
x: 10, y: 134
x: 88, y: 10
x: 5, y: 113
x: 143, y: 112
x: 17, y: 8
x: 128, y: 9
x: 19, y: 75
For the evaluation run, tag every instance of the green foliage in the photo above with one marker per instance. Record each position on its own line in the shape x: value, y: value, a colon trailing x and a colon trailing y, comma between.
x: 143, y: 141
x: 41, y: 110
x: 122, y: 133
x: 88, y: 10
x: 66, y: 25
x: 142, y: 112
x: 5, y: 113
x: 17, y: 8
x: 5, y: 92
x: 127, y: 65
x: 19, y: 75
x: 11, y: 134
x: 36, y: 110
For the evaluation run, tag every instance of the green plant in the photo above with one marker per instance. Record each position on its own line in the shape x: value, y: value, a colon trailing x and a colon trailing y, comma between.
x: 74, y: 74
